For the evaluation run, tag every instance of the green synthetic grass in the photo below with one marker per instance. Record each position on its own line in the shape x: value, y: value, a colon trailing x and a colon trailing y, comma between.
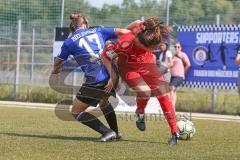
x: 188, y: 100
x: 37, y: 134
x: 42, y: 94
x: 200, y: 100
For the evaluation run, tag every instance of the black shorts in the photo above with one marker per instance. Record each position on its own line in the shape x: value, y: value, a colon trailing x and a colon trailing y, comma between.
x: 176, y: 81
x: 92, y: 94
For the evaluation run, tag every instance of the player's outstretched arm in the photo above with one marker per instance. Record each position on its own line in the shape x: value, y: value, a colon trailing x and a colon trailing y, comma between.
x: 121, y: 31
x: 134, y: 26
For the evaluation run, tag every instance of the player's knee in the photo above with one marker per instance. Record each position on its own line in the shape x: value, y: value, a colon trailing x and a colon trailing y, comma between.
x: 75, y: 111
x: 108, y: 108
x: 74, y: 114
x: 78, y: 107
x: 144, y: 94
x: 85, y: 117
x: 80, y: 116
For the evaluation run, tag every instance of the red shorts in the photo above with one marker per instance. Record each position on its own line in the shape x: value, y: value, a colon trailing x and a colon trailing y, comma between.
x: 134, y: 73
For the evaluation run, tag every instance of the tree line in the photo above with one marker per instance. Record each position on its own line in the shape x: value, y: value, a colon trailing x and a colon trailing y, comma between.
x: 48, y: 13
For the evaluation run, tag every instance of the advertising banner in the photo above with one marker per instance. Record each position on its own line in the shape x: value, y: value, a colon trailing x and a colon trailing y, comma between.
x: 211, y: 50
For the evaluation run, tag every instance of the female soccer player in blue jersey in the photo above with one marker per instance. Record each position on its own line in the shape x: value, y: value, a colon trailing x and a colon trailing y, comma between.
x: 85, y: 45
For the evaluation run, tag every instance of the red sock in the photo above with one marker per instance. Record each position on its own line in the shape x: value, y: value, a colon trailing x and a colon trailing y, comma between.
x: 141, y: 105
x: 168, y: 112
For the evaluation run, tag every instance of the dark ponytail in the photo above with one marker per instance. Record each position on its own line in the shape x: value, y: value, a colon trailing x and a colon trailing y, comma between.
x: 153, y: 32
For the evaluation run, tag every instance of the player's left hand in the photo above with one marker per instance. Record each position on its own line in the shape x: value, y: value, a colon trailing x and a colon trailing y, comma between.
x: 56, y: 69
x: 57, y: 66
x: 109, y: 86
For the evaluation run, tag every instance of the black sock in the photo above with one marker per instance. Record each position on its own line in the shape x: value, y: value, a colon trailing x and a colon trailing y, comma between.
x: 110, y: 116
x: 92, y: 122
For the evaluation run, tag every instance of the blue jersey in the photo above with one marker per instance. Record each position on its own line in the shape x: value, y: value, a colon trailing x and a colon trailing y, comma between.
x: 86, y: 46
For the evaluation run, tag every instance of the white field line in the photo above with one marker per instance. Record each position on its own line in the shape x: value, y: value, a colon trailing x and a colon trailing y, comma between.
x: 43, y: 106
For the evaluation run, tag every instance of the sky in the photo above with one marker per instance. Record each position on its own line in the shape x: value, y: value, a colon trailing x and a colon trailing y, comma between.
x: 99, y: 3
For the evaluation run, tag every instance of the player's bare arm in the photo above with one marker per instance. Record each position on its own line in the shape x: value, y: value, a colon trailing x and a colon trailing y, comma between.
x: 57, y: 66
x: 134, y: 26
x: 186, y: 63
x: 170, y: 62
x: 237, y: 59
x: 121, y: 31
x: 107, y: 61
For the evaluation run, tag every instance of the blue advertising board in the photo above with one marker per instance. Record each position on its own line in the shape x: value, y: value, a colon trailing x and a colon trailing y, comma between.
x: 211, y: 50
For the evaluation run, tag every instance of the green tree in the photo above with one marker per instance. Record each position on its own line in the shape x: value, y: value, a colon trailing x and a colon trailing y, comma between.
x: 201, y: 11
x: 185, y: 11
x: 222, y: 7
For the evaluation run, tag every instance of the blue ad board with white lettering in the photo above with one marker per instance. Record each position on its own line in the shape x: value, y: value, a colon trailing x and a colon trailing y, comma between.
x: 212, y: 50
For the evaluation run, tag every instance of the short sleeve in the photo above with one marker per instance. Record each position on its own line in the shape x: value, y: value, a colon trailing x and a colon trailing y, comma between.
x: 169, y: 54
x: 108, y: 33
x: 124, y: 43
x: 65, y: 52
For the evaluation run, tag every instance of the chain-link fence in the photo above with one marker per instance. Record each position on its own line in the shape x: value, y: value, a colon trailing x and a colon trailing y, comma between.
x: 38, y: 21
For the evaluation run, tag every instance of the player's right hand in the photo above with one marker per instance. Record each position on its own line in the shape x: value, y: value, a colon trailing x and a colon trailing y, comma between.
x: 109, y: 86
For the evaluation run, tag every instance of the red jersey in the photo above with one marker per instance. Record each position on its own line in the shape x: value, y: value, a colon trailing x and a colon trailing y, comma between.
x: 129, y: 53
x: 136, y: 64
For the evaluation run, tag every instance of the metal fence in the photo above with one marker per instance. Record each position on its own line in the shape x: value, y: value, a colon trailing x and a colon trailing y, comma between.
x: 26, y: 48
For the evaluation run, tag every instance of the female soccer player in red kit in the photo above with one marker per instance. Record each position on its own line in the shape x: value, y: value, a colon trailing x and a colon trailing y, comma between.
x: 137, y: 67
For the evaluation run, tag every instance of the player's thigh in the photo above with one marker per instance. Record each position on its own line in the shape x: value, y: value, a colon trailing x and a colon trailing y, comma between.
x: 78, y: 106
x: 131, y: 77
x: 152, y: 75
x: 134, y: 80
x: 142, y: 89
x: 156, y: 82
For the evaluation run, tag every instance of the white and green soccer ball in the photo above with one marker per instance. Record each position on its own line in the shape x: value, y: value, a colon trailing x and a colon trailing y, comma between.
x: 186, y: 129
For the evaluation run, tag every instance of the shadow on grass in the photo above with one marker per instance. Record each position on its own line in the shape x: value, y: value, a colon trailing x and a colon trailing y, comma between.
x: 141, y: 141
x: 59, y: 137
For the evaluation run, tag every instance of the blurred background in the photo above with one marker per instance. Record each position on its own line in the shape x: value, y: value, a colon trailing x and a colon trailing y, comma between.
x: 27, y: 29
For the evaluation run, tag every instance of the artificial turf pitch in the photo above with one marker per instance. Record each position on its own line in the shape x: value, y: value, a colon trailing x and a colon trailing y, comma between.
x: 36, y: 134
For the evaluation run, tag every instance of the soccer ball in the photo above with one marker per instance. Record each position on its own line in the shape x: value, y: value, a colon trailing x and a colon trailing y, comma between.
x: 186, y: 129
